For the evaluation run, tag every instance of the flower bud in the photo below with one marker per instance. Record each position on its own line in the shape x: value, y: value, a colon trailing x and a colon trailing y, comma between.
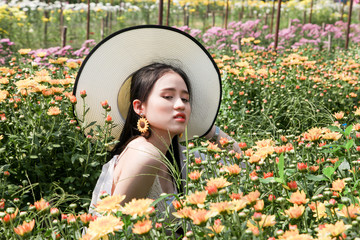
x: 83, y: 93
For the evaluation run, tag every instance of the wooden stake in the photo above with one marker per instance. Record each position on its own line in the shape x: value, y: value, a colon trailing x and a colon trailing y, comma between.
x: 348, y: 25
x: 304, y: 16
x: 311, y: 8
x: 226, y: 13
x: 161, y: 9
x: 64, y: 30
x: 168, y: 12
x: 330, y: 41
x: 102, y: 28
x: 277, y: 25
x: 88, y: 21
x: 239, y: 43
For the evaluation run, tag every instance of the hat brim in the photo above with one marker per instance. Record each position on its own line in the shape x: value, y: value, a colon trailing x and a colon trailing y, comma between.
x: 114, y: 59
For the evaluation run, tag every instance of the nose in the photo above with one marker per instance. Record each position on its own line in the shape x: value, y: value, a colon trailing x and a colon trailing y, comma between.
x: 179, y: 104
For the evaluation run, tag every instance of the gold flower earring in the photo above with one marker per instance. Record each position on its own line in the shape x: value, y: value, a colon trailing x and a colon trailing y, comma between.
x: 142, y: 124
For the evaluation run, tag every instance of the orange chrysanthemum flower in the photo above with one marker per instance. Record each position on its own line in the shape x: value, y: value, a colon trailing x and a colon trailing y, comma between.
x: 351, y: 211
x: 109, y: 204
x: 295, y: 212
x: 25, y: 228
x: 216, y: 228
x: 183, y: 213
x: 318, y: 209
x: 200, y: 216
x: 333, y: 230
x: 42, y: 205
x: 233, y: 169
x: 265, y: 143
x: 138, y: 207
x: 252, y: 197
x: 357, y: 112
x: 338, y: 185
x: 222, y: 207
x: 298, y: 197
x: 266, y: 221
x: 142, y: 227
x: 195, y: 175
x: 332, y: 136
x: 339, y: 115
x: 313, y: 134
x: 239, y: 204
x: 220, y: 182
x: 86, y: 218
x: 259, y: 205
x: 103, y: 226
x: 197, y: 198
x: 53, y: 111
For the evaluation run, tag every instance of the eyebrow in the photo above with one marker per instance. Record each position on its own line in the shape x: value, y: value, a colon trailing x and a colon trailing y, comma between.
x: 173, y: 89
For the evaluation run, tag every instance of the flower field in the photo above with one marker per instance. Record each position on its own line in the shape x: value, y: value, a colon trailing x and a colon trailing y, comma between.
x: 294, y: 113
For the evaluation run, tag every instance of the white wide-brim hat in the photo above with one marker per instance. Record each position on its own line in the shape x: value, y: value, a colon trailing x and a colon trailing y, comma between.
x: 105, y: 71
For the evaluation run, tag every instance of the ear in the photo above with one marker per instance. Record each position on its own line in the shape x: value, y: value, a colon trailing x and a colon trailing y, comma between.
x: 138, y: 106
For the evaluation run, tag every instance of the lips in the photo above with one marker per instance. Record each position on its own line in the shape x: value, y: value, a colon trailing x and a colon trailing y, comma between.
x: 181, y: 117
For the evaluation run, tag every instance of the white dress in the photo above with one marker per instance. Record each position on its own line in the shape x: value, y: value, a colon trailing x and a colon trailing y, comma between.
x: 105, y: 183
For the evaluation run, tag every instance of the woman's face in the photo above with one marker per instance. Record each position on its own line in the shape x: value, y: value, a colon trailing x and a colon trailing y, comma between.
x: 168, y: 108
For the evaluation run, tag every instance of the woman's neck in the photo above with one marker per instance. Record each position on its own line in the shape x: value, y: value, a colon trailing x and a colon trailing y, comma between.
x: 160, y: 141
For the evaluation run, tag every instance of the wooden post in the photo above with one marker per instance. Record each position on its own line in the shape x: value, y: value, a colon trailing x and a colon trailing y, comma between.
x: 64, y: 30
x: 46, y: 24
x: 342, y: 11
x: 239, y: 43
x: 102, y: 28
x: 348, y: 25
x: 161, y: 8
x: 311, y: 8
x: 289, y: 25
x: 226, y: 13
x: 272, y: 17
x: 61, y: 21
x: 330, y: 41
x: 277, y: 25
x: 266, y: 19
x: 304, y: 16
x: 88, y: 21
x: 213, y: 13
x: 168, y: 12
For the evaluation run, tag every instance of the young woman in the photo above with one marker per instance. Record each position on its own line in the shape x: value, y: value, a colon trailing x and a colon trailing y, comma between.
x: 164, y: 83
x: 159, y: 112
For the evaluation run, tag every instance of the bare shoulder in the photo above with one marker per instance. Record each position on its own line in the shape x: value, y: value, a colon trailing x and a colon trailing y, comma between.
x: 139, y: 150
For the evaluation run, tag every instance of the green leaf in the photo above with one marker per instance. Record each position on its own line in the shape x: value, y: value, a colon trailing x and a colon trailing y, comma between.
x: 335, y: 129
x: 266, y: 180
x: 280, y: 180
x: 355, y: 185
x: 34, y: 157
x: 86, y: 175
x: 348, y: 130
x: 281, y: 167
x: 69, y: 180
x: 349, y: 144
x: 328, y: 172
x: 337, y: 164
x: 320, y: 189
x: 316, y: 178
x: 56, y: 145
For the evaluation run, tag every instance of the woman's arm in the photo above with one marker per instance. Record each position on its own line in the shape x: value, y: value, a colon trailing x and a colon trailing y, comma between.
x: 216, y: 134
x: 135, y: 173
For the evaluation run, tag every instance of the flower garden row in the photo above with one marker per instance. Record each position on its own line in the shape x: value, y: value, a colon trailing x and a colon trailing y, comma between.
x: 295, y: 115
x: 37, y: 24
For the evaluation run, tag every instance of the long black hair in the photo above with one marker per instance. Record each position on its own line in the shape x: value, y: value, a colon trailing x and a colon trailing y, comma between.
x: 142, y: 82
